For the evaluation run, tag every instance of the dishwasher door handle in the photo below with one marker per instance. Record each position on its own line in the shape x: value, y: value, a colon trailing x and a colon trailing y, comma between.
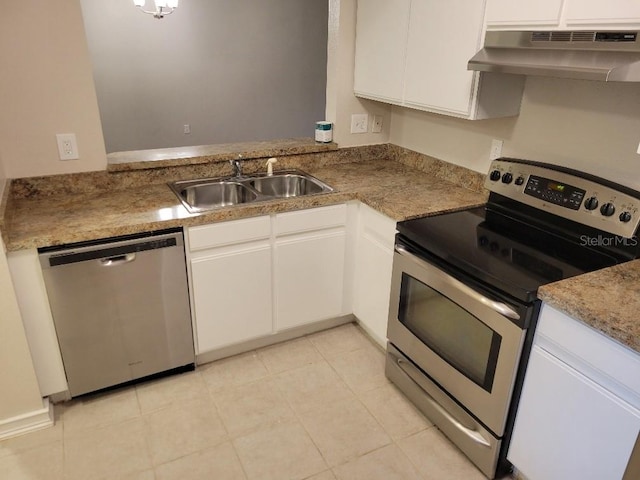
x: 117, y: 260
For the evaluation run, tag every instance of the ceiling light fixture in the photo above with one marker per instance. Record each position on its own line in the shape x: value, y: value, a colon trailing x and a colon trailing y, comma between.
x: 163, y: 7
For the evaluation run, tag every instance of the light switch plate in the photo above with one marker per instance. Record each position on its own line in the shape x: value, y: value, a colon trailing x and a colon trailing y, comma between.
x: 359, y: 122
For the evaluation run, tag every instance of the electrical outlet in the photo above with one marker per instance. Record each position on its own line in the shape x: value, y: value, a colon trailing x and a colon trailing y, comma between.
x: 376, y: 125
x: 67, y: 146
x: 359, y: 123
x: 186, y: 129
x: 496, y: 149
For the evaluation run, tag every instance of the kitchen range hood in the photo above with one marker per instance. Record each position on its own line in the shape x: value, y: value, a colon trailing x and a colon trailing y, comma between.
x: 587, y: 55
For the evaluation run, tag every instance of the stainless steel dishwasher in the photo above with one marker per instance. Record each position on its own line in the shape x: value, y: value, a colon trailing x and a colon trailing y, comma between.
x: 120, y: 308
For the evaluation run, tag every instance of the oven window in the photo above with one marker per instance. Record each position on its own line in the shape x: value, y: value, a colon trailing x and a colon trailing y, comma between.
x: 449, y: 330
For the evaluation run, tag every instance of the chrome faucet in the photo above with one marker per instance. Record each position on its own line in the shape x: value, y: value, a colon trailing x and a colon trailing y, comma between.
x: 237, y: 166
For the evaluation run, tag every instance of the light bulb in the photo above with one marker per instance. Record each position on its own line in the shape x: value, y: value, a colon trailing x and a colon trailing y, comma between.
x: 166, y: 3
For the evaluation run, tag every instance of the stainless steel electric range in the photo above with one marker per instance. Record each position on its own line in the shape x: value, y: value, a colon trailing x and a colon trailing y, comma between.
x: 464, y: 300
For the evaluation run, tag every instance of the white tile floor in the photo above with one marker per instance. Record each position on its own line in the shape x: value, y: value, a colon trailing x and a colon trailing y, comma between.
x: 317, y: 408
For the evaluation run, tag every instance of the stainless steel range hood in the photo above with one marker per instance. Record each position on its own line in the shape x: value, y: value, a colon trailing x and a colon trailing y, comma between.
x: 604, y: 55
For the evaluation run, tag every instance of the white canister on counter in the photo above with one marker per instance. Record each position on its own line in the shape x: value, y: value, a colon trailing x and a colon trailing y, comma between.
x: 324, y: 132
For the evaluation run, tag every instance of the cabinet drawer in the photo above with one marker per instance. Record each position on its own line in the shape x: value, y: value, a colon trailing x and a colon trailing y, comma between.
x: 597, y: 356
x: 378, y: 226
x: 312, y: 219
x: 226, y: 233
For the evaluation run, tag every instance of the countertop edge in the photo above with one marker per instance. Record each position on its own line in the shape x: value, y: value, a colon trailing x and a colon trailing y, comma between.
x: 196, y: 155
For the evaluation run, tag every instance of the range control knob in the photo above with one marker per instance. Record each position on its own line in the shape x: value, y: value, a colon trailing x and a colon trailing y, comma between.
x: 507, y: 178
x: 495, y: 175
x: 591, y: 203
x: 625, y: 217
x: 519, y: 181
x: 608, y: 209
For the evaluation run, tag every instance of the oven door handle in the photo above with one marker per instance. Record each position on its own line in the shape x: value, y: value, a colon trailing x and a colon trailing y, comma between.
x: 474, y: 435
x: 501, y: 308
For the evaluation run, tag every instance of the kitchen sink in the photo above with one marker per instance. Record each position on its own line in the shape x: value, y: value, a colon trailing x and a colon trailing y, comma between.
x: 208, y: 195
x: 287, y: 185
x: 211, y: 193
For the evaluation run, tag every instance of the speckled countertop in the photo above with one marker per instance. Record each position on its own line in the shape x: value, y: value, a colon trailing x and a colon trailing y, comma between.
x: 396, y: 182
x: 201, y: 154
x: 394, y: 189
x: 607, y: 300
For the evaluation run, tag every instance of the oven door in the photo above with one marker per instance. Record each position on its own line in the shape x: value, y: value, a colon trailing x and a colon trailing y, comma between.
x: 461, y: 338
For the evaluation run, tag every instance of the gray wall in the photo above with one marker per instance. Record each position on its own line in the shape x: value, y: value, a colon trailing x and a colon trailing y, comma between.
x: 235, y: 70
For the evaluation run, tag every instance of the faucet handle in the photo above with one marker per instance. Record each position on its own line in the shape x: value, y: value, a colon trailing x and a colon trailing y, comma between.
x: 270, y: 163
x: 237, y: 166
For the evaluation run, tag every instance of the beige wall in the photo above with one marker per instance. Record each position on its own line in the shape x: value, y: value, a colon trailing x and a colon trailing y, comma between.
x: 3, y: 177
x: 46, y: 88
x: 341, y: 102
x: 18, y: 384
x: 591, y: 126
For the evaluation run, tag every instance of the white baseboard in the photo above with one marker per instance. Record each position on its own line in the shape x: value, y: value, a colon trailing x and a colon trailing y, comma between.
x: 28, y: 422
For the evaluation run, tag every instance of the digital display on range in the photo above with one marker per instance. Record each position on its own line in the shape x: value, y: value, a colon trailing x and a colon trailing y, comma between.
x: 555, y: 187
x: 555, y: 192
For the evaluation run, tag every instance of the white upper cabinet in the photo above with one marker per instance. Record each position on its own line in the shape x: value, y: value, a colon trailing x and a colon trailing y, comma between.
x: 436, y: 72
x: 414, y: 53
x: 382, y: 34
x: 598, y: 12
x: 520, y: 12
x: 562, y: 14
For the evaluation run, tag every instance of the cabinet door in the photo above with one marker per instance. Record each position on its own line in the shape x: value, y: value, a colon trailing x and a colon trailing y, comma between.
x: 309, y: 278
x: 373, y: 267
x: 232, y: 295
x: 523, y: 12
x: 381, y: 37
x: 372, y: 287
x: 568, y: 426
x: 437, y: 54
x: 597, y: 12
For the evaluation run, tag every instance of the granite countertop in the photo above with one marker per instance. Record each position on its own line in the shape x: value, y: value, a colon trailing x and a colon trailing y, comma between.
x: 396, y: 190
x: 132, y: 198
x: 203, y: 154
x: 607, y: 300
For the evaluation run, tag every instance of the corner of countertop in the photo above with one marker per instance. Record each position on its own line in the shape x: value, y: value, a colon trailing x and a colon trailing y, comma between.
x: 581, y: 296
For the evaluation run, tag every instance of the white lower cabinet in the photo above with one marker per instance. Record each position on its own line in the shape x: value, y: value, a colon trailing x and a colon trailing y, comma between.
x: 232, y: 295
x: 33, y: 302
x: 579, y: 415
x: 255, y: 277
x: 372, y: 279
x: 309, y: 278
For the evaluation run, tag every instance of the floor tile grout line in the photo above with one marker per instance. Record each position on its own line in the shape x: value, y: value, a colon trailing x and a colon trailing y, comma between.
x: 296, y: 418
x: 356, y: 397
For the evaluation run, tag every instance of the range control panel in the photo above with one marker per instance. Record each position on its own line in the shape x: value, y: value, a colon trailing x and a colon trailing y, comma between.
x: 567, y: 195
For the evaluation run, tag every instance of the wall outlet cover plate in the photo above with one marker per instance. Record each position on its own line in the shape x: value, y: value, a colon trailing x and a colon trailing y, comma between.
x: 359, y: 122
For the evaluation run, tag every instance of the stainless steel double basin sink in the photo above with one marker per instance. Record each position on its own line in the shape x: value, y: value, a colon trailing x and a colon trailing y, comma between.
x: 210, y: 193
